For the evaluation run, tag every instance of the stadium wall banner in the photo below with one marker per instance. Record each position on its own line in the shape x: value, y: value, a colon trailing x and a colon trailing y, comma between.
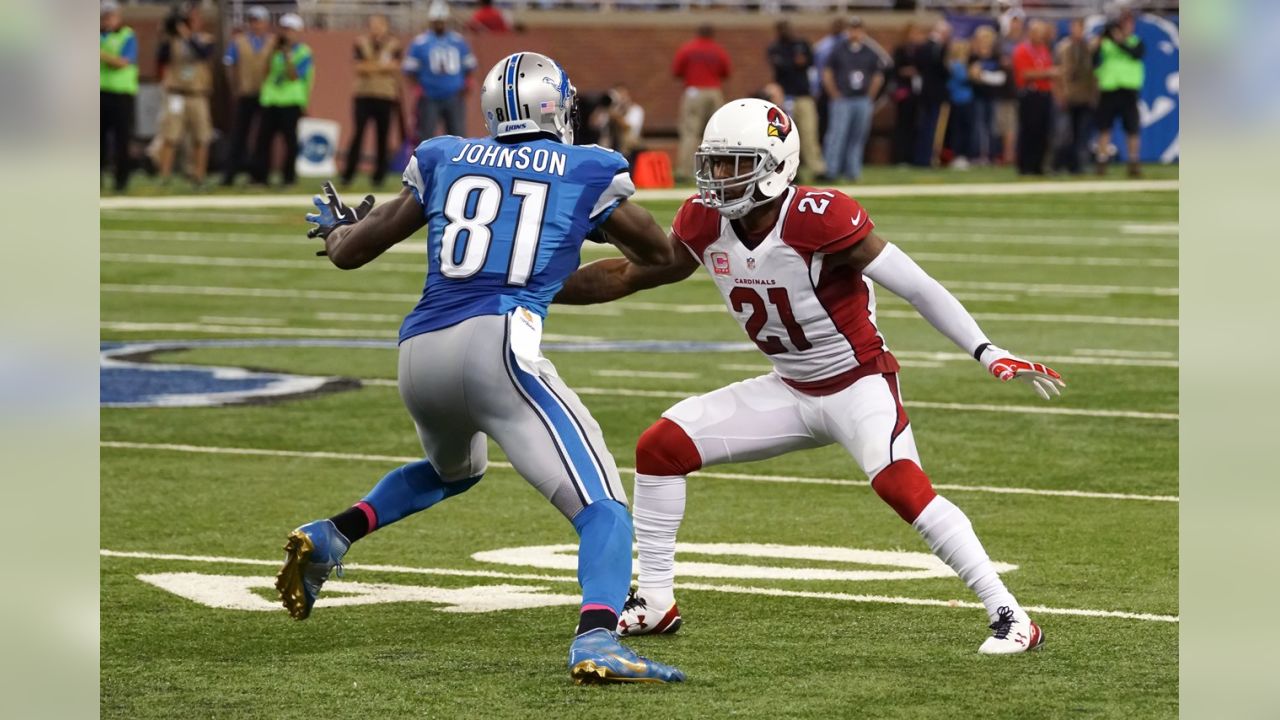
x: 317, y: 147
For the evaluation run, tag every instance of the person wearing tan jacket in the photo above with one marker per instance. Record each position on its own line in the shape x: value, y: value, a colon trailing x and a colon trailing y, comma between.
x: 377, y: 62
x: 1077, y: 97
x: 246, y: 61
x: 185, y: 53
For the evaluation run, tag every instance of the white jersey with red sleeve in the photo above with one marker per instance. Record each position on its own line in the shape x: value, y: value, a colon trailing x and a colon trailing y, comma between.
x: 816, y: 323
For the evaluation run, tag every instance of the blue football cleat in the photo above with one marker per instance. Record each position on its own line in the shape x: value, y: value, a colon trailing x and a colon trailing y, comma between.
x: 596, y: 656
x: 310, y: 553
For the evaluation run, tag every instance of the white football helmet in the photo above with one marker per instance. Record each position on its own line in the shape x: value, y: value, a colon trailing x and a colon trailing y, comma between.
x: 528, y: 92
x: 760, y: 142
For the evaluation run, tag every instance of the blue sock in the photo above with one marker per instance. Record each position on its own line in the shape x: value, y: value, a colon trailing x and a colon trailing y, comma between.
x: 604, y: 555
x: 409, y: 489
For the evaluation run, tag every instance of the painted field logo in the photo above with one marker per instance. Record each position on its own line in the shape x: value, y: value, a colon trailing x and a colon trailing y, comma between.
x: 255, y: 593
x: 905, y: 565
x: 129, y: 378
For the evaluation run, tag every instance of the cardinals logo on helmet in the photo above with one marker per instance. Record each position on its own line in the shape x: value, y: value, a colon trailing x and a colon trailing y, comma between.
x: 779, y: 124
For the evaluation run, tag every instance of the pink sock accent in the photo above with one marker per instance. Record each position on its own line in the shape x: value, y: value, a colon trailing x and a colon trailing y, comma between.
x: 369, y: 514
x: 598, y: 606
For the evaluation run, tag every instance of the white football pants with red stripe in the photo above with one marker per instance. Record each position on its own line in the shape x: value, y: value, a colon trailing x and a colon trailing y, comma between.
x: 762, y: 418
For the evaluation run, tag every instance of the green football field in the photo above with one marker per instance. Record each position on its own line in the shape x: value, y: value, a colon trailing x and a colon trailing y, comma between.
x: 444, y: 615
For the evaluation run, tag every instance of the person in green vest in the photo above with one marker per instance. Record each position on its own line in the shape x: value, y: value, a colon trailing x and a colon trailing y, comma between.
x: 285, y: 93
x: 117, y: 88
x: 1118, y: 66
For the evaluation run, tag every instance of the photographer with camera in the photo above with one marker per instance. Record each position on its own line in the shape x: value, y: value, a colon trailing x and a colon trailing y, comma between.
x: 284, y: 97
x: 184, y: 54
x: 1118, y: 66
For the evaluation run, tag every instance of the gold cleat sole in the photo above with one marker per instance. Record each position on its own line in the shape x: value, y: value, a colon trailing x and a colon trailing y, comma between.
x: 588, y: 672
x: 298, y: 548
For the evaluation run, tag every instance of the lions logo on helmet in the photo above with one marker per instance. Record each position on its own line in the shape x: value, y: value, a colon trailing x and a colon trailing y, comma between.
x: 779, y: 123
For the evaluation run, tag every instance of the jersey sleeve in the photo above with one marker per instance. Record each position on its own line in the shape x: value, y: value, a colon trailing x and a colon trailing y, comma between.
x: 845, y: 224
x: 421, y: 163
x: 825, y: 221
x: 619, y: 188
x: 696, y: 226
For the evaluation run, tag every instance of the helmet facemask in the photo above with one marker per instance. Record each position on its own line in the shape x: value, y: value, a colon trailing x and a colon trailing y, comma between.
x: 734, y: 195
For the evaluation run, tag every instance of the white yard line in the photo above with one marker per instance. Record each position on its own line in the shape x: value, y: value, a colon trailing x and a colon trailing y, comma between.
x: 1002, y: 259
x: 655, y: 374
x: 1002, y: 189
x: 696, y: 587
x: 244, y: 262
x: 750, y: 477
x: 390, y: 333
x: 1048, y: 318
x: 239, y: 320
x: 1150, y: 228
x: 965, y: 407
x: 257, y: 292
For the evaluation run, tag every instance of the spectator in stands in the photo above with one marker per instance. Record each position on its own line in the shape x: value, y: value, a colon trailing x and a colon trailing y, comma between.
x: 821, y: 54
x: 1078, y: 94
x: 440, y: 61
x: 378, y: 58
x: 1034, y: 75
x: 961, y: 94
x: 1120, y: 76
x: 703, y: 65
x: 185, y: 53
x: 791, y: 58
x: 906, y: 93
x: 488, y: 18
x: 931, y: 63
x: 285, y: 93
x: 246, y: 61
x: 988, y: 79
x: 853, y: 77
x: 117, y: 88
x: 1012, y: 32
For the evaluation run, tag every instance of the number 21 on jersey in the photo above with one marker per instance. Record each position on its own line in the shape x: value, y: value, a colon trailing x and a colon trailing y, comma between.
x: 471, y: 207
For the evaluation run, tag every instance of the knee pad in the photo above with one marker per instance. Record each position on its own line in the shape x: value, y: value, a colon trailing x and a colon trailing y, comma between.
x: 905, y: 488
x: 665, y: 449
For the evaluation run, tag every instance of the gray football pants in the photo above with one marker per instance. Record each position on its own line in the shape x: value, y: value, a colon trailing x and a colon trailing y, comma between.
x: 463, y: 383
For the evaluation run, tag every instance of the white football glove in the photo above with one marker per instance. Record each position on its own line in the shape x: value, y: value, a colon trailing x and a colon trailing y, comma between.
x: 1007, y: 366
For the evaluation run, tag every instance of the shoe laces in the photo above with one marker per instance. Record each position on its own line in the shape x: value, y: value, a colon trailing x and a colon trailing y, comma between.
x: 634, y: 601
x: 1003, y: 624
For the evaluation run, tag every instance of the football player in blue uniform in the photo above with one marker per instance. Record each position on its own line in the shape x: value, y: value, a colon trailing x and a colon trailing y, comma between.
x: 506, y: 216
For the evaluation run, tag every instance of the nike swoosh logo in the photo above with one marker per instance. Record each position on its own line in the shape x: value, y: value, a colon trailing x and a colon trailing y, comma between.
x: 632, y: 666
x: 857, y: 219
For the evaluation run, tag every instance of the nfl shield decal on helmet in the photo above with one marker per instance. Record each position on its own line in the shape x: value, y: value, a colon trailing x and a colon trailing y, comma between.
x: 720, y: 263
x: 779, y: 123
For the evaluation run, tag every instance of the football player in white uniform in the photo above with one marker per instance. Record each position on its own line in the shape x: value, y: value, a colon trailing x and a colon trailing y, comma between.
x: 795, y: 266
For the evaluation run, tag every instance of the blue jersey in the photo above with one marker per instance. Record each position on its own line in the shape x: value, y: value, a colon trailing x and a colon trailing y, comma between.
x: 505, y: 222
x: 440, y: 63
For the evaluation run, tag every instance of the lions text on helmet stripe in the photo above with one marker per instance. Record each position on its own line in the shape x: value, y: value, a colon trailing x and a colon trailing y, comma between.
x: 746, y: 130
x: 528, y: 92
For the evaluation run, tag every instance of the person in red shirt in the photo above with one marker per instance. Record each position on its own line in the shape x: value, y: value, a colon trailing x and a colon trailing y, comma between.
x: 488, y: 18
x: 1033, y: 74
x: 702, y: 64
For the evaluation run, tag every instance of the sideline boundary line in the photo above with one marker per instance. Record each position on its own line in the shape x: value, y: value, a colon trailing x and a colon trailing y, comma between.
x: 1011, y: 188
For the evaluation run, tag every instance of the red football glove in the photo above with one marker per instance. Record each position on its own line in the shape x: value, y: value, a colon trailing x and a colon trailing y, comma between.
x: 1006, y: 366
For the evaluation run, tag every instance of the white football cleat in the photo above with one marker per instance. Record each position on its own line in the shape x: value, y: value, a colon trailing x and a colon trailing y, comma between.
x: 639, y: 617
x: 1012, y: 632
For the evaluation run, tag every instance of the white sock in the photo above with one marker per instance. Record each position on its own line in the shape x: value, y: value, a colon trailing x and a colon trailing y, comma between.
x: 950, y: 536
x: 658, y: 509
